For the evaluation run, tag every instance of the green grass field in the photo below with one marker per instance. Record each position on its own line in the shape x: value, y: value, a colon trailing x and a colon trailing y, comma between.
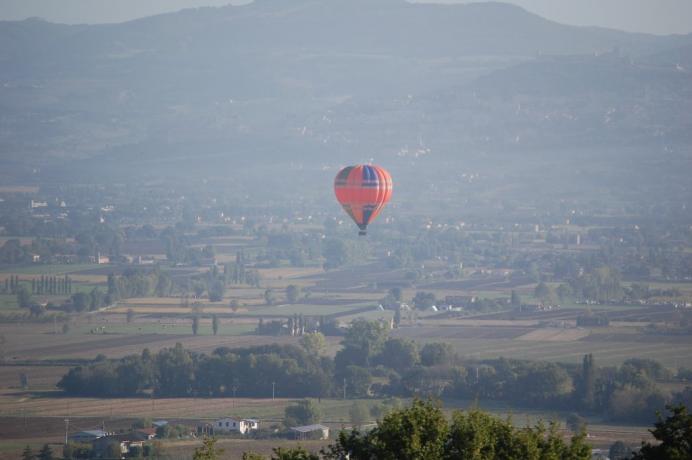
x: 154, y: 328
x: 8, y: 303
x: 671, y: 355
x: 87, y: 287
x: 373, y: 315
x: 48, y: 269
x: 288, y: 310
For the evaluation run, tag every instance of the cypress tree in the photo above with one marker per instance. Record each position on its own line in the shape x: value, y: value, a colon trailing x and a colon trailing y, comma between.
x: 28, y: 454
x: 195, y: 325
x: 588, y: 383
x: 45, y: 453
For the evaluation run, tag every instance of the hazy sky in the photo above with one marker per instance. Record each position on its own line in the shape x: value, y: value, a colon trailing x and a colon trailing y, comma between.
x: 652, y: 16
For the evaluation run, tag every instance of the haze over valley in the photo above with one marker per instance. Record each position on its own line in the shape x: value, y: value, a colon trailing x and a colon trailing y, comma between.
x: 171, y: 247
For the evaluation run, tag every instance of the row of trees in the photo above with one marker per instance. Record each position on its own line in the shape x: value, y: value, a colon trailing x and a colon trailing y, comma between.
x: 371, y: 363
x: 51, y: 285
x: 139, y: 283
x: 215, y: 282
x: 299, y: 325
x: 625, y: 392
x: 177, y: 372
x: 45, y: 285
x: 46, y: 453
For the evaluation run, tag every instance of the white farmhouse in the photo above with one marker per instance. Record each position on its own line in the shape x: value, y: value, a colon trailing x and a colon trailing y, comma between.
x: 229, y: 425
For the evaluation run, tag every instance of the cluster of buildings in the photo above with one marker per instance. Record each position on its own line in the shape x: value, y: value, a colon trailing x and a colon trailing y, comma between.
x: 104, y: 444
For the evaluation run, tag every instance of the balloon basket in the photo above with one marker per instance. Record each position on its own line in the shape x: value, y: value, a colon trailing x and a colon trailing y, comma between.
x: 362, y: 233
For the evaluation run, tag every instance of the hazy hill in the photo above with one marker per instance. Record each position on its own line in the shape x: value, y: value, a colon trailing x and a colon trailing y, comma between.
x: 373, y: 27
x: 290, y: 79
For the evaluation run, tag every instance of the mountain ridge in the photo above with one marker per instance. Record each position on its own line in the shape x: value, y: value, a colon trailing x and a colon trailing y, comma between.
x: 283, y: 76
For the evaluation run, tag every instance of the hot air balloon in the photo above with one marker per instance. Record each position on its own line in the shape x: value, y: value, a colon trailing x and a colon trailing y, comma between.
x: 363, y: 190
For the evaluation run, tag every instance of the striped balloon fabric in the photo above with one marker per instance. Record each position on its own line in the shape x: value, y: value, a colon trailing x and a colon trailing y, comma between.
x: 363, y: 190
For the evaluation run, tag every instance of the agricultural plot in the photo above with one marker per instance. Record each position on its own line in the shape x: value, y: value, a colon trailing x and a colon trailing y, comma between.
x: 460, y: 333
x: 48, y: 412
x: 479, y: 284
x: 233, y: 449
x: 553, y: 334
x: 670, y: 355
x: 356, y: 279
x: 8, y: 303
x: 87, y: 346
x: 179, y: 329
x: 41, y: 269
x: 51, y: 404
x: 372, y: 315
x: 290, y: 273
x: 38, y: 377
x: 175, y: 408
x: 308, y: 310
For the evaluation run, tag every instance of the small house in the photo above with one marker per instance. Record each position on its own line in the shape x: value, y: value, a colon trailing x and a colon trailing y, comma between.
x: 123, y: 443
x: 87, y: 436
x: 230, y: 425
x: 150, y: 433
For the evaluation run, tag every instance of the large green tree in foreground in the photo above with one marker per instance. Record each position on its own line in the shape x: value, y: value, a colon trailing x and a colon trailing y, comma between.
x: 674, y: 436
x: 422, y: 432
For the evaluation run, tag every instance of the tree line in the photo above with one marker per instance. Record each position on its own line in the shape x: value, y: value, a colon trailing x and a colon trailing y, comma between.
x: 372, y: 364
x: 176, y: 372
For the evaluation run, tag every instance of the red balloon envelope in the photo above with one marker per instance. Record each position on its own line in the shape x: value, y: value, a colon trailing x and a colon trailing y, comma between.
x: 363, y: 190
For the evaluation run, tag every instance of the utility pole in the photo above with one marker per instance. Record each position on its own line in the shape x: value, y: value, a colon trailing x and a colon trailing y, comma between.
x: 67, y: 428
x: 273, y: 387
x: 344, y: 387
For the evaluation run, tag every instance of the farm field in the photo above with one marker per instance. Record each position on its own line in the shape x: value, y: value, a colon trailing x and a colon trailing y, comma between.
x: 42, y: 269
x: 179, y: 328
x: 8, y: 303
x: 45, y: 356
x: 334, y: 411
x: 31, y: 341
x: 615, y: 353
x: 18, y: 410
x: 39, y: 377
x: 471, y: 342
